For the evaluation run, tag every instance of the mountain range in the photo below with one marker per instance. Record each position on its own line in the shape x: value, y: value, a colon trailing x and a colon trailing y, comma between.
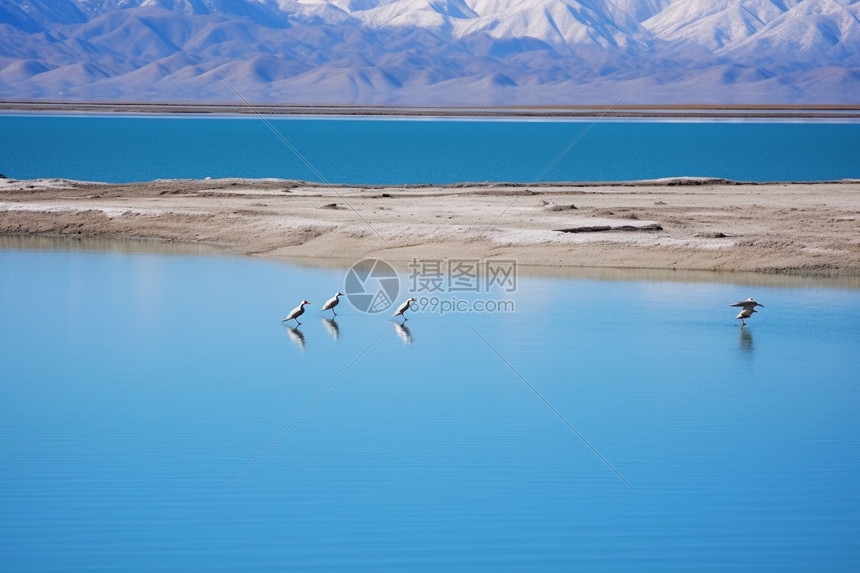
x: 432, y: 52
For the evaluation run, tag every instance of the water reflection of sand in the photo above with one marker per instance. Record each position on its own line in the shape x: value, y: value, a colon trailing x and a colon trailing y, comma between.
x: 795, y: 229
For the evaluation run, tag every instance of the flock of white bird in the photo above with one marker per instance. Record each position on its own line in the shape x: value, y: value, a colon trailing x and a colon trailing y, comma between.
x: 333, y: 302
x: 748, y: 308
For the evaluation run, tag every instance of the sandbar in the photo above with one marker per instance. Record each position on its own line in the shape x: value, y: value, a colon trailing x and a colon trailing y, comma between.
x: 802, y: 229
x: 650, y: 112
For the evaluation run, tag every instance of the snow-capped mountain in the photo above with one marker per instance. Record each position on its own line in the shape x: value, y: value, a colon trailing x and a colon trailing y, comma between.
x: 432, y: 52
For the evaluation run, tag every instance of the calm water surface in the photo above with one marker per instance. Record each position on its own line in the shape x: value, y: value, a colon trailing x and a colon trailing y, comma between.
x: 136, y: 388
x: 398, y: 151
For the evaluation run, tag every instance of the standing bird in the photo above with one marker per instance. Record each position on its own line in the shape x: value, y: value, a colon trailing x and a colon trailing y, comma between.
x: 403, y: 308
x: 748, y: 309
x: 331, y: 303
x: 296, y: 312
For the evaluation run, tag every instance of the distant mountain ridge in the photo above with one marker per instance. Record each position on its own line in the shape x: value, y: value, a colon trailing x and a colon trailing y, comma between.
x: 432, y: 52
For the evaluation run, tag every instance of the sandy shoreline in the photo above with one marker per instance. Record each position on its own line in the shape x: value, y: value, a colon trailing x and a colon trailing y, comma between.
x: 800, y: 229
x: 652, y: 112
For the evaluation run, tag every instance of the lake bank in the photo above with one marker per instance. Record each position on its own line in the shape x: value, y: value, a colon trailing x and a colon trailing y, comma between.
x: 651, y: 112
x: 802, y: 229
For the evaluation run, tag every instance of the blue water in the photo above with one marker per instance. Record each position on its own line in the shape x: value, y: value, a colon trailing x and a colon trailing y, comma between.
x: 136, y: 387
x: 386, y: 151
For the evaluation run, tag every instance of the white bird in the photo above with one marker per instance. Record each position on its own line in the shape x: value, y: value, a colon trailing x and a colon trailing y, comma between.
x: 403, y: 308
x: 748, y: 309
x: 296, y: 312
x: 331, y: 303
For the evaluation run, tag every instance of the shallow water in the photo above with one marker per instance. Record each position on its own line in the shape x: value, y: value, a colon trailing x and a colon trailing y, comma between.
x: 136, y: 388
x: 416, y: 151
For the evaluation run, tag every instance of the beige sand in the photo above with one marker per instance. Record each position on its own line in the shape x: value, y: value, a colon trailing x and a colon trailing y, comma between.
x: 799, y: 229
x: 722, y: 111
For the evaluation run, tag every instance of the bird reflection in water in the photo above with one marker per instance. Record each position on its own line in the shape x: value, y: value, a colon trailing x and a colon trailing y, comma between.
x: 403, y: 332
x: 296, y: 336
x: 746, y: 340
x: 332, y: 328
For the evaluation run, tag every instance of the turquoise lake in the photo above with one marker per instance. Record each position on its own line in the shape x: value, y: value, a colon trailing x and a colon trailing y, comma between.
x: 416, y: 151
x: 155, y: 414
